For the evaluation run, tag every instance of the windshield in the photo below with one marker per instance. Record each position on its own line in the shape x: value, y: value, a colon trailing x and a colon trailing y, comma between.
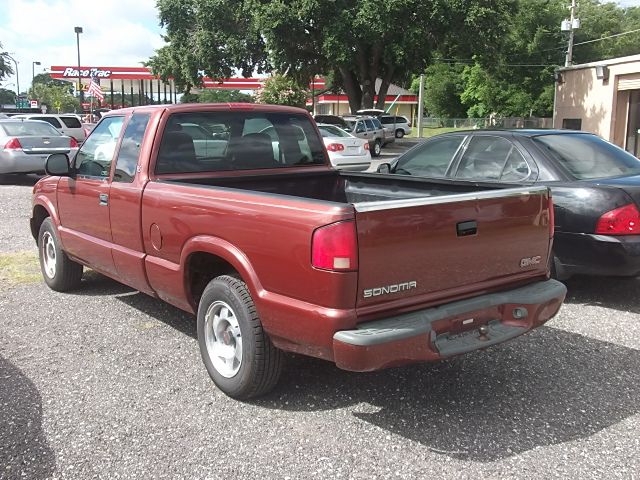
x: 331, y: 131
x: 587, y: 156
x: 22, y: 129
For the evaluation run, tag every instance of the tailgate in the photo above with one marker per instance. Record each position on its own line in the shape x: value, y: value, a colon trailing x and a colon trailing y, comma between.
x: 425, y: 249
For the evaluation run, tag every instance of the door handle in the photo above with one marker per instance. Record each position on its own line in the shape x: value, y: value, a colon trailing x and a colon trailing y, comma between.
x: 104, y: 199
x: 467, y: 228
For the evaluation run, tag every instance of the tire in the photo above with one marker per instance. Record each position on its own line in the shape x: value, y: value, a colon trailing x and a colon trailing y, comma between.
x: 238, y: 354
x: 60, y: 273
x: 377, y: 148
x: 399, y: 133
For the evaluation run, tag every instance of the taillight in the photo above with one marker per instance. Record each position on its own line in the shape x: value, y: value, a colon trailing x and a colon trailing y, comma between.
x: 621, y: 221
x: 13, y: 144
x: 552, y: 218
x: 366, y: 146
x: 335, y: 147
x: 335, y: 247
x: 73, y: 143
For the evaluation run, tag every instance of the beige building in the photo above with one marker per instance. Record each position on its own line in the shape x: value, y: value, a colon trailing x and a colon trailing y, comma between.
x: 602, y: 98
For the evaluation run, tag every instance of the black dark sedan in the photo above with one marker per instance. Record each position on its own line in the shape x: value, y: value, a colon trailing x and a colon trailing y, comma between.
x: 595, y: 186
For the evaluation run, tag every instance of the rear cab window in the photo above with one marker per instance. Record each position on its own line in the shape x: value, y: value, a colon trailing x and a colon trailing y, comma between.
x: 219, y: 141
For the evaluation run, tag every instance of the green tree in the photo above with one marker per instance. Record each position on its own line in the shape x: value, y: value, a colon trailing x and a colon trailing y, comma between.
x: 6, y: 68
x: 443, y: 87
x: 57, y: 98
x: 217, y: 96
x: 281, y: 90
x: 354, y: 41
x: 7, y: 96
x: 47, y: 79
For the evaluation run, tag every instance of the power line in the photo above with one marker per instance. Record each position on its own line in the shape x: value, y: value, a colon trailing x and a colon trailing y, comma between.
x: 610, y: 36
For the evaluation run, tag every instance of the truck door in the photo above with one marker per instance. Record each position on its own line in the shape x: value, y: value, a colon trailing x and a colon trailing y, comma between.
x: 125, y: 204
x: 83, y: 201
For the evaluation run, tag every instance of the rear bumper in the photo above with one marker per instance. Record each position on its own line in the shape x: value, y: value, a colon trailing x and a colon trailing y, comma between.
x: 590, y: 254
x: 20, y: 162
x: 448, y: 330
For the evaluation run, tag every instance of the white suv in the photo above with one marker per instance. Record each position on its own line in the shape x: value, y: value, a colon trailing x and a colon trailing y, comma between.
x: 399, y: 126
x: 69, y: 124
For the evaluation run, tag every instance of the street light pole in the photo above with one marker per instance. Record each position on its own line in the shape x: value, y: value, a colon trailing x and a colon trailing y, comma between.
x: 33, y: 71
x: 78, y: 31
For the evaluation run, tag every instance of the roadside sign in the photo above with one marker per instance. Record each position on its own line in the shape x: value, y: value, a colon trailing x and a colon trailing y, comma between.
x: 34, y: 103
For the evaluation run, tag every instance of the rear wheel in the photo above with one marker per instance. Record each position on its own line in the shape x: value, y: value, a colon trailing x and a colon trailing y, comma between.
x: 377, y: 148
x: 399, y: 133
x: 59, y: 271
x: 237, y: 352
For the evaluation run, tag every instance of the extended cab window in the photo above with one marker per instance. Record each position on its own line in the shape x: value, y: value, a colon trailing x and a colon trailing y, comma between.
x: 214, y: 141
x: 129, y: 152
x: 95, y: 156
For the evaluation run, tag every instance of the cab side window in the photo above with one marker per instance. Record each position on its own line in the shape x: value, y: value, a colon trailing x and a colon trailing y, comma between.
x: 96, y: 154
x: 129, y: 153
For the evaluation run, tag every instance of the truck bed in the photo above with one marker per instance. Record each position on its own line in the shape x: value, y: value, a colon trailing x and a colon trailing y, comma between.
x: 341, y: 187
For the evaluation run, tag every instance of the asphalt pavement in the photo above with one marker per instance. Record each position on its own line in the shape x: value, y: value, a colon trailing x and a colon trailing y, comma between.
x: 106, y: 382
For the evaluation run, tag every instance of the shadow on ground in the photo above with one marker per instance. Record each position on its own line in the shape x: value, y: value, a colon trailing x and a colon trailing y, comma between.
x: 24, y: 451
x: 19, y: 179
x: 618, y: 293
x: 545, y: 388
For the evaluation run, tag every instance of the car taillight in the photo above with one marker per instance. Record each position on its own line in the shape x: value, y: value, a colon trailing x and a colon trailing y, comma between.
x: 552, y: 218
x: 366, y: 146
x: 335, y: 247
x: 621, y: 221
x: 13, y: 144
x: 335, y: 147
x: 73, y: 143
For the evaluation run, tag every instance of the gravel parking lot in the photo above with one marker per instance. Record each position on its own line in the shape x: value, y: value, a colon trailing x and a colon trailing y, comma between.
x: 106, y: 382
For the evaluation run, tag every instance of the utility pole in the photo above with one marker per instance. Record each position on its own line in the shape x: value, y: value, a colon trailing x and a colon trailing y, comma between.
x: 420, y: 105
x: 574, y: 23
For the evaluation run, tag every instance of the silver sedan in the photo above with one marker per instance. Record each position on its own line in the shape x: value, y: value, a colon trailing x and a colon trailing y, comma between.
x: 26, y: 144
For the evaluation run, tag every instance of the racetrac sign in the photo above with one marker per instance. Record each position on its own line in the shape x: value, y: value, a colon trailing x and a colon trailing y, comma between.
x: 70, y: 72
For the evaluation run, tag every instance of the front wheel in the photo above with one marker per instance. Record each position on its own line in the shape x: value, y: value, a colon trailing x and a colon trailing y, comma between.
x: 59, y: 271
x: 237, y: 352
x: 377, y: 148
x: 399, y: 133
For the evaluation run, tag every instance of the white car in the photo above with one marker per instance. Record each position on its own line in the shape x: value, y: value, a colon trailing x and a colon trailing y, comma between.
x: 345, y: 151
x: 68, y: 124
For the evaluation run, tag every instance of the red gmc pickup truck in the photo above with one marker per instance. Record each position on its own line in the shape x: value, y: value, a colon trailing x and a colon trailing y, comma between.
x: 233, y: 212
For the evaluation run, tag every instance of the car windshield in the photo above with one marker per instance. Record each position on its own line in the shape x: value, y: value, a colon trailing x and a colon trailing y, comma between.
x: 331, y: 131
x: 587, y: 156
x: 22, y: 129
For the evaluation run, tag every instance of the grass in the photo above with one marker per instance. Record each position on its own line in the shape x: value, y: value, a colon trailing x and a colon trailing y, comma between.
x: 431, y: 131
x: 19, y: 268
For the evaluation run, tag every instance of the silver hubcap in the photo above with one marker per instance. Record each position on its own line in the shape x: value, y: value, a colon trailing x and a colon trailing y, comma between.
x: 223, y: 339
x: 49, y: 255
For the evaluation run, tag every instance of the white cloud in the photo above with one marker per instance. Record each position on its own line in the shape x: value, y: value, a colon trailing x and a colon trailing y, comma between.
x: 115, y: 33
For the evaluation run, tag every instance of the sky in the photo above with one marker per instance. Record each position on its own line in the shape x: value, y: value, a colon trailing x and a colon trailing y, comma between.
x: 116, y: 33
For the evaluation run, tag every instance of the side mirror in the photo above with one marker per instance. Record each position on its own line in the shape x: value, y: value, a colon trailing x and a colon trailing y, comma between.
x: 384, y: 168
x: 58, y: 165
